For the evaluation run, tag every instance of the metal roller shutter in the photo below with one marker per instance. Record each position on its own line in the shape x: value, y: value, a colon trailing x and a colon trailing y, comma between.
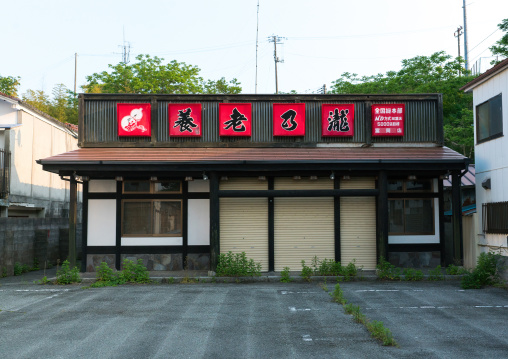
x: 244, y: 221
x: 304, y: 228
x: 358, y: 225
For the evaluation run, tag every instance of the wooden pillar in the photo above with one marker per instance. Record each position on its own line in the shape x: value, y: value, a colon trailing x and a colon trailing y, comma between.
x: 73, y: 214
x: 214, y: 220
x: 271, y: 227
x: 456, y: 219
x: 382, y: 216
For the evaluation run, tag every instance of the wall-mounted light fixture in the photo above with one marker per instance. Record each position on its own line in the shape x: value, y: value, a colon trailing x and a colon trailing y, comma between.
x: 486, y: 183
x: 205, y: 177
x: 332, y: 176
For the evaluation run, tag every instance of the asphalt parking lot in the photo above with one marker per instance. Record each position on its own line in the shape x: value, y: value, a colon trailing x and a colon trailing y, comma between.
x: 258, y: 320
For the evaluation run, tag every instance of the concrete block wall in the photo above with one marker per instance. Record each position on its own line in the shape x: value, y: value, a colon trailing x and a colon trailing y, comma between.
x: 23, y: 239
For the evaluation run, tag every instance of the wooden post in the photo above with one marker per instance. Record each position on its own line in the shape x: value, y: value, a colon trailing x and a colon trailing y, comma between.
x: 382, y: 216
x: 214, y: 220
x: 73, y: 214
x: 456, y: 219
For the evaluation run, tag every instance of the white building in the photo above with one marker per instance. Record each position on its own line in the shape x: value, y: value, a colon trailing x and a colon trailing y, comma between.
x: 490, y: 100
x: 27, y: 134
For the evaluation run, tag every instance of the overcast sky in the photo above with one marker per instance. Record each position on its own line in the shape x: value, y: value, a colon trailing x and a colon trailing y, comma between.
x: 322, y: 38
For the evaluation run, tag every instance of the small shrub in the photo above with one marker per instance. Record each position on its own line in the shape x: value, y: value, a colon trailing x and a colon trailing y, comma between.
x: 436, y: 273
x: 66, y: 275
x: 452, y: 270
x: 284, y: 275
x: 306, y: 272
x: 378, y: 331
x: 171, y: 280
x: 237, y: 265
x: 386, y: 270
x: 4, y: 272
x: 18, y: 268
x: 413, y: 274
x: 35, y: 266
x: 485, y: 273
x: 134, y: 272
x: 105, y: 273
x: 25, y: 268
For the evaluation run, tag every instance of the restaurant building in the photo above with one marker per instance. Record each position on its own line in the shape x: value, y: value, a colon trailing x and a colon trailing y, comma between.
x: 178, y: 179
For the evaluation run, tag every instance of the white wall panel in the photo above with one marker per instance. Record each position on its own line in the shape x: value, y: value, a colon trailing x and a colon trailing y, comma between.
x: 102, y: 186
x: 152, y: 241
x: 198, y: 227
x: 101, y: 227
x: 199, y: 186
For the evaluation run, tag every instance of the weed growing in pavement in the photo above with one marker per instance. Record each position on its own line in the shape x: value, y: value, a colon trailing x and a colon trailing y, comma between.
x: 436, y: 273
x: 67, y: 275
x: 338, y: 296
x: 413, y: 274
x: 44, y: 280
x: 306, y: 272
x: 4, y: 272
x: 485, y: 273
x: 376, y: 328
x: 237, y: 265
x: 284, y: 276
x: 454, y: 270
x: 171, y: 280
x: 378, y: 331
x: 324, y: 286
x: 386, y: 270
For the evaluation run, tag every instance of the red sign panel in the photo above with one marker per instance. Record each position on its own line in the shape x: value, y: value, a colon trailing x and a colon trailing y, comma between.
x: 235, y: 119
x: 134, y: 119
x: 288, y: 119
x: 337, y: 120
x: 388, y: 120
x: 185, y: 119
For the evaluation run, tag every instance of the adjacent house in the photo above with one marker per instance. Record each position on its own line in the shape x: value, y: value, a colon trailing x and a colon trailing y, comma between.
x: 34, y: 204
x: 177, y: 180
x: 490, y: 101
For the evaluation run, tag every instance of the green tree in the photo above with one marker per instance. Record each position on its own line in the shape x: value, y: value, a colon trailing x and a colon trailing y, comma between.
x: 38, y: 99
x: 9, y: 85
x: 437, y: 73
x: 151, y: 76
x: 501, y: 47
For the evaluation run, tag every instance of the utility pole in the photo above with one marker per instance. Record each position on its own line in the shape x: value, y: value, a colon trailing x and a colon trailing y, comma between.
x: 466, y: 64
x: 257, y: 33
x: 276, y: 40
x: 457, y: 35
x: 126, y: 49
x: 75, y: 71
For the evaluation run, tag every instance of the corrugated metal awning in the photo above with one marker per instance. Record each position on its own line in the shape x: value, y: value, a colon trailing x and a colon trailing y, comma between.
x: 106, y: 158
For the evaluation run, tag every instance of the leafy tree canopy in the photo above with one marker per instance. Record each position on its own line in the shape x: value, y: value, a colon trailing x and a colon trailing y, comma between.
x: 63, y: 106
x: 501, y: 47
x: 437, y: 73
x: 9, y: 85
x: 150, y: 76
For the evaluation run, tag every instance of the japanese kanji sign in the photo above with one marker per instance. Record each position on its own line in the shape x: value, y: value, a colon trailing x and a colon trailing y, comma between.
x: 185, y: 119
x: 337, y: 120
x: 288, y: 119
x: 133, y: 119
x: 235, y: 119
x: 388, y: 120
